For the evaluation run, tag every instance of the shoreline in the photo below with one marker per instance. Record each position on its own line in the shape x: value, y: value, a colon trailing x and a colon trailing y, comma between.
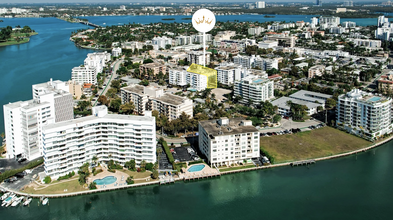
x: 18, y: 43
x: 157, y: 182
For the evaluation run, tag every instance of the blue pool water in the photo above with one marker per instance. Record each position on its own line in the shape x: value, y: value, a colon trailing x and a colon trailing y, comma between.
x: 106, y: 180
x: 196, y: 168
x: 375, y: 99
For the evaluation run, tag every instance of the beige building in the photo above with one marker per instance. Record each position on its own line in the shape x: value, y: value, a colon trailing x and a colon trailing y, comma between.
x: 317, y: 70
x: 171, y: 105
x: 385, y: 83
x: 75, y: 88
x: 139, y: 95
x: 154, y: 67
x: 151, y: 98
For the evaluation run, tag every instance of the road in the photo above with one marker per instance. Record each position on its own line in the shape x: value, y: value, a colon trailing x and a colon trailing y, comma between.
x: 116, y: 66
x: 21, y: 182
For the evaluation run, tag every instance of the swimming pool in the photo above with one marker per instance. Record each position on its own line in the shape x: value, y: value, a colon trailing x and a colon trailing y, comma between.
x: 374, y: 99
x: 196, y: 168
x: 106, y: 180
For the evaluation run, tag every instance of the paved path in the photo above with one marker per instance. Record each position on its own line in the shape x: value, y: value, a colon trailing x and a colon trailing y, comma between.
x: 289, y: 124
x: 116, y: 66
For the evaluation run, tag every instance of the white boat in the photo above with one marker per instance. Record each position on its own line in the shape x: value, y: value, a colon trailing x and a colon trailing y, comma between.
x: 5, y: 196
x: 8, y: 200
x: 17, y: 201
x: 27, y: 202
x: 45, y: 201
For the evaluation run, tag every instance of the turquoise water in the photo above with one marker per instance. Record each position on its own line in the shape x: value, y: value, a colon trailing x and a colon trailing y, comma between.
x: 375, y: 99
x: 106, y: 180
x: 196, y: 168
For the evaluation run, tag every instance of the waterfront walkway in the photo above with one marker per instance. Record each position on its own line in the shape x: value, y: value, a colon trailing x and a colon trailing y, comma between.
x: 179, y: 179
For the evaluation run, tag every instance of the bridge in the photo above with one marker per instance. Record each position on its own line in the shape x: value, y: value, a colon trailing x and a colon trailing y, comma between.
x: 89, y: 24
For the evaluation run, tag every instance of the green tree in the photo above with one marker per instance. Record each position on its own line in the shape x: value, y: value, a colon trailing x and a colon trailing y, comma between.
x: 130, y: 180
x: 149, y: 166
x: 331, y: 103
x: 82, y: 105
x: 154, y: 175
x: 127, y: 108
x: 276, y: 118
x: 130, y: 164
x: 93, y: 185
x: 115, y: 105
x: 47, y: 180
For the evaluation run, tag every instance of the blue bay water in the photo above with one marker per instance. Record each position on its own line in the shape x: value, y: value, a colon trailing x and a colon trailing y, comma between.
x: 355, y: 187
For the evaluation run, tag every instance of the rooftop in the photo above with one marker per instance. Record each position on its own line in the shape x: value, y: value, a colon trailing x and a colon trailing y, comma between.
x: 108, y: 117
x: 310, y: 96
x: 233, y: 127
x: 171, y: 99
x: 282, y: 103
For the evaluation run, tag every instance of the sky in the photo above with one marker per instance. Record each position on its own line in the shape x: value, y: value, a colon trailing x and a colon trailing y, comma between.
x: 128, y: 1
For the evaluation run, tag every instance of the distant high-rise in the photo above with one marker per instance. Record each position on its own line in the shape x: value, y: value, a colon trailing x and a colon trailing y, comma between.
x: 260, y: 4
x: 348, y: 3
x: 319, y: 2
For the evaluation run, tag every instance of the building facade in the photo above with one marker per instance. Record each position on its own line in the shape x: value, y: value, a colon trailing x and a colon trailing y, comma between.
x: 197, y: 57
x: 155, y: 68
x: 68, y: 145
x: 228, y: 141
x: 171, y: 105
x: 364, y: 114
x: 254, y: 89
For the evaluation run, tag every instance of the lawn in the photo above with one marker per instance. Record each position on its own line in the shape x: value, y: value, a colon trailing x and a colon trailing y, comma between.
x: 12, y: 41
x: 236, y: 168
x: 135, y: 174
x: 56, y: 187
x: 316, y: 143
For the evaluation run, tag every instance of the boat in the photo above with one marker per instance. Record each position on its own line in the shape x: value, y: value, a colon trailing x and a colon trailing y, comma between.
x: 27, y: 202
x: 17, y: 201
x: 9, y: 200
x: 5, y: 196
x: 45, y: 201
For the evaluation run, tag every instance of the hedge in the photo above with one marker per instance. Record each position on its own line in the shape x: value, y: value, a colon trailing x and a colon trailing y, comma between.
x: 270, y: 157
x: 167, y: 151
x: 7, y: 174
x: 195, y: 162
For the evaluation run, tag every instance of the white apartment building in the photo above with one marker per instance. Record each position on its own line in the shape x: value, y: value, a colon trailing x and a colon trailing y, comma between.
x: 178, y: 77
x: 93, y: 64
x: 68, y: 145
x: 23, y: 120
x: 364, y: 114
x: 367, y: 43
x: 326, y: 22
x: 161, y: 42
x: 198, y: 38
x: 259, y: 4
x: 348, y: 24
x: 317, y: 70
x: 244, y: 61
x: 256, y: 89
x: 132, y: 45
x: 197, y: 57
x: 171, y: 105
x: 228, y: 141
x: 337, y: 30
x: 267, y: 44
x: 23, y: 123
x: 116, y: 52
x: 181, y: 77
x: 57, y: 94
x: 266, y: 64
x: 255, y: 30
x: 228, y: 74
x: 183, y: 40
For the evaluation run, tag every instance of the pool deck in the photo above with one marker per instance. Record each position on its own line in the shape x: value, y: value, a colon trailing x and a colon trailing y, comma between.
x: 207, y: 171
x: 105, y: 173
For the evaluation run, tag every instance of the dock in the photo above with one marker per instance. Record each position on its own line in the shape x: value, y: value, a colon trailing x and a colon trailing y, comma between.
x: 301, y: 163
x: 163, y: 182
x: 201, y: 176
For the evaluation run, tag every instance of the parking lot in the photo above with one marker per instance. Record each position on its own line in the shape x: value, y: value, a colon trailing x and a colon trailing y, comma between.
x: 21, y: 182
x: 183, y: 154
x: 290, y: 131
x: 163, y: 163
x: 11, y: 164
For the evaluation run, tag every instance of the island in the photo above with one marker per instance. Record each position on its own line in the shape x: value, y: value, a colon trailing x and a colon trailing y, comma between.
x: 269, y: 16
x: 17, y: 35
x: 186, y: 18
x: 168, y: 19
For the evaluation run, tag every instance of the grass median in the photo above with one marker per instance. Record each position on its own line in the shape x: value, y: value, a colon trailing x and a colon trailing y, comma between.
x: 316, y: 143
